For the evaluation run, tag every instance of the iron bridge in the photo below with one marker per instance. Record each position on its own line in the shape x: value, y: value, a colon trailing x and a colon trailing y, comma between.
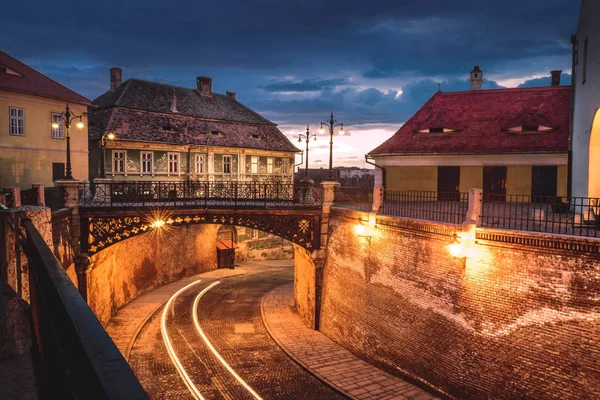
x: 115, y: 211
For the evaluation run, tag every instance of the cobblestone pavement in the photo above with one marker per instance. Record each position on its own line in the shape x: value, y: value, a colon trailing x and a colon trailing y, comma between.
x: 326, y: 359
x: 230, y: 316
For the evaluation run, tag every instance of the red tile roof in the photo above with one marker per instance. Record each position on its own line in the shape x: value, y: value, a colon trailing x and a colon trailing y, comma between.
x: 481, y: 120
x: 32, y: 82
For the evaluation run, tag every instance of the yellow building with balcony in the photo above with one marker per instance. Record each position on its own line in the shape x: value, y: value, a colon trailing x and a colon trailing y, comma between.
x: 32, y: 151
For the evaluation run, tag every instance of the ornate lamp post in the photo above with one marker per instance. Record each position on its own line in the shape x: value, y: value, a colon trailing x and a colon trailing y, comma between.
x: 306, y: 137
x: 105, y: 137
x: 67, y: 116
x: 332, y: 123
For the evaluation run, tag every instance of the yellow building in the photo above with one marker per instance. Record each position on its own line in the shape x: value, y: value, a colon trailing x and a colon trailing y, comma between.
x: 505, y: 141
x: 31, y: 150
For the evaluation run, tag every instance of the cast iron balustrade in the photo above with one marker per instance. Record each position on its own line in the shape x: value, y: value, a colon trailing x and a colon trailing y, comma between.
x: 354, y: 198
x: 450, y: 207
x: 551, y: 214
x: 186, y: 194
x: 77, y: 358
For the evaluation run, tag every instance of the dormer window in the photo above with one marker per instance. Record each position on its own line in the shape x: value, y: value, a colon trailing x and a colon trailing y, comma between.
x: 6, y: 70
x: 256, y: 136
x: 436, y: 129
x: 216, y: 133
x: 166, y: 127
x: 530, y: 129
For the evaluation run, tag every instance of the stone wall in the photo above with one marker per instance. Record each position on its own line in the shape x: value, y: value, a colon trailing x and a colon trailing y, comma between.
x: 514, y: 321
x: 257, y: 245
x: 131, y: 267
x: 62, y: 238
x: 305, y: 288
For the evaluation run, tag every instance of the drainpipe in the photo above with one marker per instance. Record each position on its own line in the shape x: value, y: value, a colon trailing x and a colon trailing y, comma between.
x: 378, y: 166
x: 570, y: 151
x: 301, y: 160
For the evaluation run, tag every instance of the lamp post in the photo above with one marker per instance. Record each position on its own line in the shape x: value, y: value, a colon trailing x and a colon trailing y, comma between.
x: 67, y: 116
x: 103, y: 139
x: 306, y: 137
x: 332, y: 123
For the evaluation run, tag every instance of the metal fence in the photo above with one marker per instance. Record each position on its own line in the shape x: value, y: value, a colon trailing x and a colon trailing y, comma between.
x: 29, y: 197
x: 198, y: 194
x: 355, y: 198
x: 448, y: 207
x: 77, y: 358
x: 552, y: 214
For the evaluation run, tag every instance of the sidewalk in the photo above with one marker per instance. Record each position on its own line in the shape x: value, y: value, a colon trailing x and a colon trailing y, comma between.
x: 326, y: 359
x: 126, y: 324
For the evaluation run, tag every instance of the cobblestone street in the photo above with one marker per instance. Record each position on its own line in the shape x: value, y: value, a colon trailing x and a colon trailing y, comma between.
x: 230, y: 316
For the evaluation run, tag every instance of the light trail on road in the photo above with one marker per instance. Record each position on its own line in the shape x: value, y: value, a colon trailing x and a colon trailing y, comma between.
x: 212, y: 348
x: 163, y: 329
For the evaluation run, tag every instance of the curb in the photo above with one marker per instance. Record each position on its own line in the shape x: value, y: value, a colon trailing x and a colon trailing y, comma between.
x: 291, y: 356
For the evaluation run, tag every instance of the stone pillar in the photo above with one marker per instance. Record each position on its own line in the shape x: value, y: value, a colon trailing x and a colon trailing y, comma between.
x: 377, y: 198
x: 41, y: 196
x: 475, y: 203
x: 16, y: 196
x: 328, y: 197
x: 71, y: 196
x: 82, y: 269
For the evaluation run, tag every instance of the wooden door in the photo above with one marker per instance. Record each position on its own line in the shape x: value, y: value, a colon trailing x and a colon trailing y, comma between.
x: 448, y: 184
x: 494, y: 183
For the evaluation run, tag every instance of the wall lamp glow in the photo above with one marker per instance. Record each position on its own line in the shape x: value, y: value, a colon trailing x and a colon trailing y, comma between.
x: 159, y: 223
x: 462, y: 246
x: 365, y: 231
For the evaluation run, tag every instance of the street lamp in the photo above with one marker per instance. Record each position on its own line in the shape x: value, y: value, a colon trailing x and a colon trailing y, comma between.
x: 103, y: 139
x: 332, y: 123
x: 306, y: 137
x: 67, y: 116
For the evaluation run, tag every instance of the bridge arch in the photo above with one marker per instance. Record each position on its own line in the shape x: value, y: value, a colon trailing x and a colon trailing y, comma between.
x: 101, y: 230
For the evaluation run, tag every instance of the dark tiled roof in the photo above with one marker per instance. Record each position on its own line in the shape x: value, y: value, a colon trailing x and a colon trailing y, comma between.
x: 157, y: 97
x: 142, y: 126
x: 33, y: 82
x: 482, y: 118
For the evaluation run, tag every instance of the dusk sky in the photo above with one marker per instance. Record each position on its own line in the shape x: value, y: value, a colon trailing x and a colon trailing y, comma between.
x: 373, y: 63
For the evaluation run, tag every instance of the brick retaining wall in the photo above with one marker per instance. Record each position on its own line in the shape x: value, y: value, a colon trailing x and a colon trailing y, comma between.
x: 131, y: 267
x: 517, y: 320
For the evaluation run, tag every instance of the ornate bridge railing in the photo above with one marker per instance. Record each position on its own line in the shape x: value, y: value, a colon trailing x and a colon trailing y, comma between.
x: 130, y: 194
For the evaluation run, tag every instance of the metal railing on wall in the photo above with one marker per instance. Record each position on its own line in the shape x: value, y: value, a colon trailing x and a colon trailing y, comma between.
x: 450, y: 207
x: 550, y: 214
x: 354, y: 198
x: 78, y: 360
x: 198, y: 194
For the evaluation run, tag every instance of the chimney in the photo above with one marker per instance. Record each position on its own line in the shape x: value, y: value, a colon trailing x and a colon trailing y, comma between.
x: 476, y: 78
x: 230, y: 94
x: 174, y: 104
x: 204, y: 86
x: 556, y: 77
x: 116, y: 78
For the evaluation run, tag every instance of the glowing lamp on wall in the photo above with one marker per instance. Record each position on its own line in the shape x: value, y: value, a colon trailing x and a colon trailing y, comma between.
x: 159, y: 223
x: 455, y: 248
x: 365, y: 231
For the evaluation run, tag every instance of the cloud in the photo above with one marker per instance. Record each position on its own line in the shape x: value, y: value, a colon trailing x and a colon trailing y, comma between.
x: 307, y: 85
x: 565, y: 79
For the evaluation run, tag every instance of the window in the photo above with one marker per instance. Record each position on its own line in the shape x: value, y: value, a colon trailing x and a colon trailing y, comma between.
x: 585, y: 56
x: 199, y: 163
x: 58, y: 171
x: 436, y: 129
x: 173, y: 163
x: 147, y: 158
x: 254, y: 164
x: 118, y: 161
x: 285, y: 166
x: 17, y: 121
x: 226, y: 164
x: 530, y: 128
x: 269, y: 165
x: 58, y: 133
